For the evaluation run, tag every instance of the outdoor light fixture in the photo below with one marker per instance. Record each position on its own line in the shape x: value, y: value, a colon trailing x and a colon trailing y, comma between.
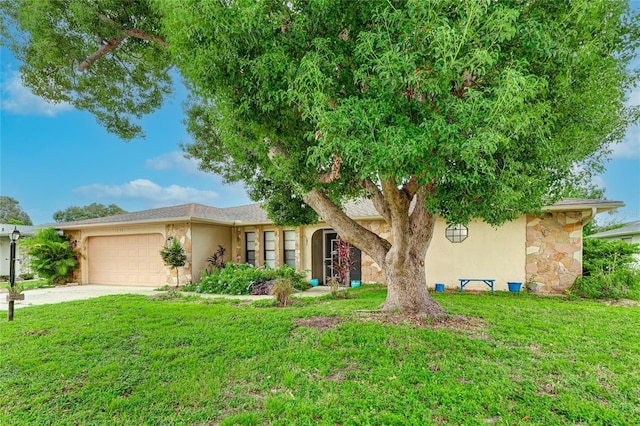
x: 456, y: 233
x: 13, y: 236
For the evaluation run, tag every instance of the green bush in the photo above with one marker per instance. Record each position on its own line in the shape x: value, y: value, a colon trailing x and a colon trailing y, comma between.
x: 608, y: 271
x: 51, y: 256
x: 243, y: 278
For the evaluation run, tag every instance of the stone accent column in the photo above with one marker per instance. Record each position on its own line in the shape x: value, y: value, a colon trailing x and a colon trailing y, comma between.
x: 259, y: 252
x: 278, y: 247
x: 182, y: 233
x: 554, y: 251
x: 371, y: 271
x: 239, y: 243
x: 298, y: 249
x: 75, y: 238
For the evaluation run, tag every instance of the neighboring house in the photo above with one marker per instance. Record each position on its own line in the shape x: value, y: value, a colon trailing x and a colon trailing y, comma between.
x: 5, y: 230
x: 124, y: 249
x: 629, y: 233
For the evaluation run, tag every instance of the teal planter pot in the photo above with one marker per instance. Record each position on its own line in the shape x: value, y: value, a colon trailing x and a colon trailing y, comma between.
x: 514, y: 287
x: 314, y: 282
x: 355, y: 283
x: 439, y: 288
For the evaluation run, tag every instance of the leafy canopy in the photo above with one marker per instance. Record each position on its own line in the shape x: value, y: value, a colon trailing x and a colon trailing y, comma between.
x: 90, y: 211
x: 12, y: 213
x: 486, y: 106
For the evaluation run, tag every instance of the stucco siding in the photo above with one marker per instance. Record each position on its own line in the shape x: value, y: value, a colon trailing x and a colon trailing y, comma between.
x: 205, y: 241
x: 488, y: 252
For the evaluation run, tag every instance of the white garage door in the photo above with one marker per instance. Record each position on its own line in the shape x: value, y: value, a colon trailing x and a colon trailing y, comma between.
x: 126, y: 260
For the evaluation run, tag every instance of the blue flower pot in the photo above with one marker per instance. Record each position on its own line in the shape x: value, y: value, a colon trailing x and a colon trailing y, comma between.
x: 514, y: 287
x: 355, y: 283
x: 314, y: 282
x: 439, y: 288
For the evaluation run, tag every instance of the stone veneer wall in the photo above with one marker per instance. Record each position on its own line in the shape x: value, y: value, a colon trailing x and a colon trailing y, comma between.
x: 371, y: 272
x: 554, y: 251
x: 75, y: 237
x: 181, y: 232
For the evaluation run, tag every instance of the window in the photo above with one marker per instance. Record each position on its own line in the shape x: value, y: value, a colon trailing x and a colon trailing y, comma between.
x: 290, y: 248
x: 270, y: 248
x: 456, y: 233
x: 250, y: 254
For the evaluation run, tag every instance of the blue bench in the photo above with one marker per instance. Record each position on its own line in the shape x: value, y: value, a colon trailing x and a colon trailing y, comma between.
x: 465, y: 281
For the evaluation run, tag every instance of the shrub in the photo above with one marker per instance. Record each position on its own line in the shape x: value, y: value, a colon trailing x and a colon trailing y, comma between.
x: 216, y: 260
x: 243, y: 279
x: 51, y: 256
x: 282, y: 289
x: 609, y: 271
x: 27, y: 276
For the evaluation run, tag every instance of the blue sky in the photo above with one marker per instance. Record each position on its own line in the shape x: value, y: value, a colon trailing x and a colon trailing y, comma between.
x: 53, y: 157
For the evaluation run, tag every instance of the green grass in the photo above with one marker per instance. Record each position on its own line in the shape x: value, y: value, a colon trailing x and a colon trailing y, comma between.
x: 518, y: 359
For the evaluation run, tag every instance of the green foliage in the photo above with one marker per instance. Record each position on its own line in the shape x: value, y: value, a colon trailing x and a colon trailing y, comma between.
x: 243, y: 278
x: 174, y: 256
x: 216, y: 260
x: 602, y: 255
x: 610, y: 270
x: 11, y: 212
x: 51, y: 256
x: 137, y: 360
x: 90, y: 211
x: 282, y: 289
x: 484, y: 102
x: 55, y: 39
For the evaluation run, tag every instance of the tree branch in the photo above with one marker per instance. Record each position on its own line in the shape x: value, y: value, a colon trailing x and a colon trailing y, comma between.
x: 378, y: 199
x: 111, y: 44
x: 133, y: 32
x: 411, y: 187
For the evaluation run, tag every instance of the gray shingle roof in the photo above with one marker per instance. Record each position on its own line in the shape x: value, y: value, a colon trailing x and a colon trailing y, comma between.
x: 631, y: 228
x: 253, y: 213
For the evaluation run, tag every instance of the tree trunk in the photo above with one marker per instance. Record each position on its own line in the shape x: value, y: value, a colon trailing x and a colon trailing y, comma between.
x: 402, y: 261
x: 407, y: 288
x: 177, y: 279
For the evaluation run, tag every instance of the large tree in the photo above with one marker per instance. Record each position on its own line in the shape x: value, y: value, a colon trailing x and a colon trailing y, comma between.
x: 11, y: 212
x: 474, y: 109
x: 90, y: 211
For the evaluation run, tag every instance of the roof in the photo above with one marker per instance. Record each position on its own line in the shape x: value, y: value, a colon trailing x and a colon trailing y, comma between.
x: 254, y: 214
x: 25, y: 230
x: 631, y: 228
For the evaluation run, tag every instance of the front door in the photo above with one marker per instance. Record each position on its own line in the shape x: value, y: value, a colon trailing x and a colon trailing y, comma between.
x: 330, y: 238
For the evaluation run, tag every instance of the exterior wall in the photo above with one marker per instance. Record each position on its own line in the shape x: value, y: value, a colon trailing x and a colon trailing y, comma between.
x: 82, y: 245
x: 488, y: 252
x: 204, y: 243
x: 75, y: 237
x: 5, y: 251
x: 554, y: 251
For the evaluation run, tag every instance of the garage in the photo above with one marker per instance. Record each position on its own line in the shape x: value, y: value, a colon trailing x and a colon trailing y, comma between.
x: 126, y: 260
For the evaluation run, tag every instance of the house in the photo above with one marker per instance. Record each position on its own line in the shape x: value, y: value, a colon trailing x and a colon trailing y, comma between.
x: 545, y: 251
x: 5, y: 243
x: 629, y: 233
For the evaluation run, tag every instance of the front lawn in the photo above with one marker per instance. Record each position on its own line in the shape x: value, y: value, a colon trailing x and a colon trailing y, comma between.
x: 512, y: 359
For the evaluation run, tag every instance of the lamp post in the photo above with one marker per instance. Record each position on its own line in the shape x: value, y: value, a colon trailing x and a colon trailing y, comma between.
x: 13, y: 236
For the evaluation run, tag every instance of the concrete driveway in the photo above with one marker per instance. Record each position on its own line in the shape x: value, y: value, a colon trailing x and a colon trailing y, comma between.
x: 45, y: 296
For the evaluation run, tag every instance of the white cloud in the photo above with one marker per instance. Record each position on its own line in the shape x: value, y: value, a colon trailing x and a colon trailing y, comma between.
x: 150, y: 193
x: 18, y: 99
x: 630, y: 145
x: 175, y: 160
